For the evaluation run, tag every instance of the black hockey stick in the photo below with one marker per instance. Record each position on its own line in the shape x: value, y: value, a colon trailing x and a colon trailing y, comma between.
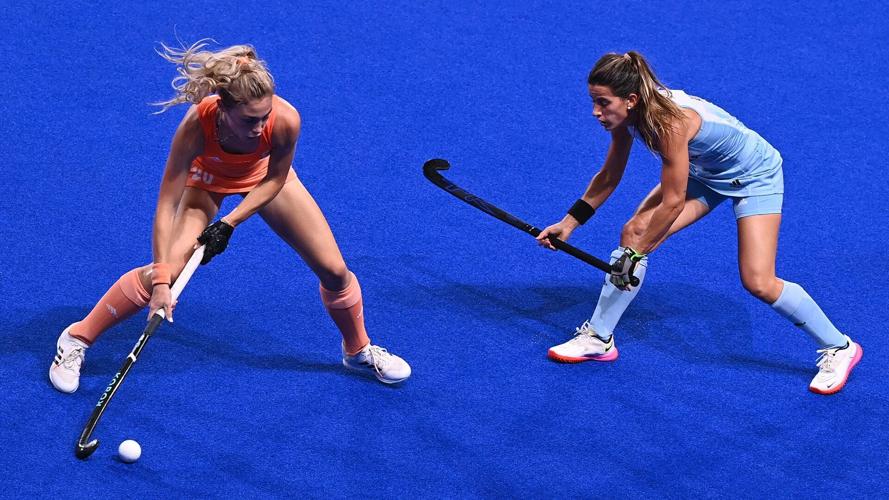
x: 85, y: 447
x: 431, y: 170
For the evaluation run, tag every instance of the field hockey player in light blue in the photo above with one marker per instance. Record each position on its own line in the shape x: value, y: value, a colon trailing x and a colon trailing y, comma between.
x: 708, y: 157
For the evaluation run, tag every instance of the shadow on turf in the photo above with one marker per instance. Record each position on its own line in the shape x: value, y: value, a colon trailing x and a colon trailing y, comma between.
x: 679, y: 319
x: 36, y: 337
x: 683, y: 320
x: 219, y: 349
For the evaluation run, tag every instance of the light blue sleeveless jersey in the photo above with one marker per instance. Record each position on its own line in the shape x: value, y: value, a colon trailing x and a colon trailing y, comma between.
x: 728, y: 157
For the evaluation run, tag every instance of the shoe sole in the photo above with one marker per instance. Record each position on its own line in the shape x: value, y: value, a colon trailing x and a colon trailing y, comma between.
x: 610, y: 356
x: 374, y: 375
x: 834, y: 390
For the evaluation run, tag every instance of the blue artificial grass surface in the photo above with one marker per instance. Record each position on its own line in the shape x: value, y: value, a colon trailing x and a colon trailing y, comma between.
x: 245, y: 394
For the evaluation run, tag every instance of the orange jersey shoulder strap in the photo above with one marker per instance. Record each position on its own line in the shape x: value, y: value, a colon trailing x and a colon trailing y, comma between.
x: 207, y: 115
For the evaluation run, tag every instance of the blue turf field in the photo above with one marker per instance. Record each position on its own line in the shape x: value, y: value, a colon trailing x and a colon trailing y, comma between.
x: 244, y: 394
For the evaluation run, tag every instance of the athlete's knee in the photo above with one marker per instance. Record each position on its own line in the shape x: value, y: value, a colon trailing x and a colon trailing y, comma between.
x: 334, y: 276
x: 764, y: 286
x: 145, y: 274
x: 342, y: 298
x: 632, y: 230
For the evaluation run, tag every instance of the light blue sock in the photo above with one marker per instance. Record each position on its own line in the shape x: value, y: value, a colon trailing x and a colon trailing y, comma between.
x: 614, y: 301
x: 796, y: 305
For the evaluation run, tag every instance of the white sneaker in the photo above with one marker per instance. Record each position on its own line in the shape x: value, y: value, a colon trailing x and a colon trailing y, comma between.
x: 64, y: 373
x: 585, y: 346
x: 376, y: 361
x: 834, y: 367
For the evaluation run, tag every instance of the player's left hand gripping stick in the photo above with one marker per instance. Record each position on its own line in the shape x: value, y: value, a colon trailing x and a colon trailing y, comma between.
x: 215, y: 239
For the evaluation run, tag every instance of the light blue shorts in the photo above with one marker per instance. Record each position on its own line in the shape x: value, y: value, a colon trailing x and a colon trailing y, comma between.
x: 744, y: 206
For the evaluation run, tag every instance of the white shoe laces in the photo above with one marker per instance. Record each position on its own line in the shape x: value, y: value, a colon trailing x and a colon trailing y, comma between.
x: 73, y: 359
x: 584, y: 329
x: 825, y: 361
x: 379, y: 357
x: 584, y: 333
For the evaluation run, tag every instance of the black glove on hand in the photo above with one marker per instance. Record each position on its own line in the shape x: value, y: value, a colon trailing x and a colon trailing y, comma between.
x: 215, y: 238
x: 623, y: 268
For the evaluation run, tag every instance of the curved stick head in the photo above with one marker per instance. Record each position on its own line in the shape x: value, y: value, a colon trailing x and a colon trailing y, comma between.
x: 434, y: 165
x: 83, y: 451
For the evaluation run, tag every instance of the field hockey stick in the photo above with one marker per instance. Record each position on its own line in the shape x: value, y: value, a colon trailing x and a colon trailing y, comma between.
x: 431, y: 170
x: 84, y: 447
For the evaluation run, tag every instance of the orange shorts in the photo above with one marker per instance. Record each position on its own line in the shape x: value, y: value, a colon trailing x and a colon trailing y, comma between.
x: 224, y: 180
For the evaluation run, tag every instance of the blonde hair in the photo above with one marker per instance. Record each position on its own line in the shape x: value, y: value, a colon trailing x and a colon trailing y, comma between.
x: 630, y: 73
x: 234, y: 73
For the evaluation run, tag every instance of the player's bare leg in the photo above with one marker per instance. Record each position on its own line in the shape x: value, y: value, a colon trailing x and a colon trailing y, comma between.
x: 296, y: 218
x: 757, y: 251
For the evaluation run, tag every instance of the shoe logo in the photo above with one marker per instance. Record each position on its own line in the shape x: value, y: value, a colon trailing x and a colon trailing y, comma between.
x: 736, y: 183
x: 216, y: 158
x: 800, y: 324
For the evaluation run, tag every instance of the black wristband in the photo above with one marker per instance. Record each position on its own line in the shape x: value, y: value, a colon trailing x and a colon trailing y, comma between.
x: 581, y: 210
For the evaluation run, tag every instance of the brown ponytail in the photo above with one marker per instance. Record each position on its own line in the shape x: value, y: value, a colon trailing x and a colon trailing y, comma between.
x: 630, y: 73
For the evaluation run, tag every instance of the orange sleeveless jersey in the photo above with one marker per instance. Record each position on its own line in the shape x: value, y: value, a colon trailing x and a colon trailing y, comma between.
x: 221, y: 172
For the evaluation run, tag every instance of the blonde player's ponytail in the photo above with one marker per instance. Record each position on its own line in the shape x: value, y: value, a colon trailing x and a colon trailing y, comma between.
x: 234, y: 73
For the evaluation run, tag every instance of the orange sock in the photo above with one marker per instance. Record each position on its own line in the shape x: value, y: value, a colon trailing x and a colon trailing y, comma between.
x: 346, y: 308
x: 126, y: 297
